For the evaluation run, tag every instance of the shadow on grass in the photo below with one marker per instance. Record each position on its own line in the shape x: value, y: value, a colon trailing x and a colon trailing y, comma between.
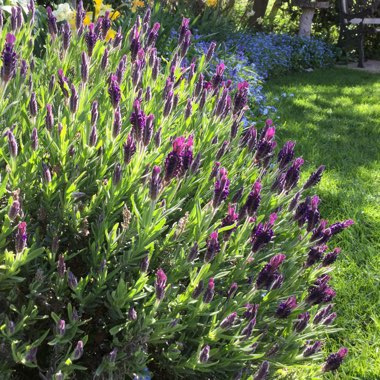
x: 334, y: 116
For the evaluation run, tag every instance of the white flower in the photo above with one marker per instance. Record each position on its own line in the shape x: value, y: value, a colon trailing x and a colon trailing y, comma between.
x: 63, y: 12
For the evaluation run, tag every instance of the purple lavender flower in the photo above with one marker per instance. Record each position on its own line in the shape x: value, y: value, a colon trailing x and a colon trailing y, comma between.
x: 210, y: 51
x: 311, y: 350
x: 13, y: 19
x: 229, y: 220
x: 66, y: 36
x: 213, y: 247
x: 266, y: 145
x: 152, y: 36
x: 293, y: 174
x: 31, y: 355
x: 198, y: 290
x: 21, y: 237
x: 144, y: 265
x: 188, y: 109
x: 221, y: 188
x: 84, y: 68
x: 135, y: 44
x: 329, y: 320
x: 247, y: 331
x: 11, y: 327
x: 263, y: 371
x: 129, y: 149
x: 9, y: 58
x: 51, y: 83
x: 93, y: 138
x: 204, y: 354
x: 12, y: 144
x: 320, y: 292
x: 315, y: 254
x: 94, y: 112
x: 228, y: 321
x: 262, y: 234
x: 218, y: 77
x: 61, y: 266
x: 251, y: 311
x: 63, y: 83
x: 52, y: 23
x: 121, y: 69
x: 331, y: 257
x: 286, y: 307
x: 132, y: 314
x: 138, y: 121
x: 104, y: 61
x: 334, y: 361
x: 148, y: 130
x: 78, y: 351
x: 301, y: 212
x: 193, y: 254
x: 286, y: 154
x: 241, y: 97
x: 185, y: 44
x: 91, y: 38
x: 14, y: 210
x: 252, y: 203
x: 301, y: 322
x: 313, y: 215
x: 169, y: 103
x: 23, y: 69
x: 116, y: 123
x: 61, y: 327
x: 173, y: 162
x: 183, y: 29
x: 157, y: 138
x: 322, y: 314
x: 314, y: 178
x: 238, y: 195
x: 106, y: 24
x: 232, y: 290
x: 209, y: 293
x: 19, y: 17
x: 72, y: 280
x: 74, y: 99
x: 80, y: 15
x: 270, y: 272
x: 114, y: 91
x: 155, y: 183
x: 49, y: 118
x: 199, y: 86
x: 160, y: 284
x: 117, y: 175
x: 46, y: 174
x: 336, y: 228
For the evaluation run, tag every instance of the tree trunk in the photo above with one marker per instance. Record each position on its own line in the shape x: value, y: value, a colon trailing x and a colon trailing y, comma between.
x: 306, y: 22
x: 258, y: 9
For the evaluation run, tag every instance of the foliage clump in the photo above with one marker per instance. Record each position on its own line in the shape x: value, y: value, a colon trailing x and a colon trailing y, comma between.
x: 142, y: 228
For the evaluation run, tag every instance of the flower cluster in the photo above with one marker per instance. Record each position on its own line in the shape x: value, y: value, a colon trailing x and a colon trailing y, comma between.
x: 144, y: 229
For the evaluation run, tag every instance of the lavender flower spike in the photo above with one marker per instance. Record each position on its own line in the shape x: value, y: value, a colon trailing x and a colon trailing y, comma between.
x: 286, y: 307
x: 209, y: 293
x: 78, y: 351
x: 314, y: 178
x: 160, y: 284
x: 334, y: 361
x: 12, y: 144
x: 91, y: 38
x: 14, y: 210
x: 263, y: 371
x: 52, y: 23
x: 221, y: 188
x: 204, y: 354
x: 21, y: 237
x: 84, y: 68
x: 228, y: 321
x: 114, y: 91
x: 155, y: 183
x: 311, y: 350
x: 213, y: 247
x: 129, y: 149
x: 9, y: 58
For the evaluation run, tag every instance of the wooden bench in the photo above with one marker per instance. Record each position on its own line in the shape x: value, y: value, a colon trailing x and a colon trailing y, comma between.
x: 360, y: 13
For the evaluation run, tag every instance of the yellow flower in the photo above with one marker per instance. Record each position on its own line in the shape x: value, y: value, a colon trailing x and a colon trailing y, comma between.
x: 137, y: 4
x: 211, y: 3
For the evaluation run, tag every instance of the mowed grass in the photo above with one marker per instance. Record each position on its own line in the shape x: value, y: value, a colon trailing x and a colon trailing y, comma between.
x: 334, y: 116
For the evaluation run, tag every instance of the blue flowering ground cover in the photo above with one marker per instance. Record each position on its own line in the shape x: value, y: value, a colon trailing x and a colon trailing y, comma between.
x: 258, y: 57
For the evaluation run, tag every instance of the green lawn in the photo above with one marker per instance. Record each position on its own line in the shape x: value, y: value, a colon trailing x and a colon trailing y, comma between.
x: 335, y: 118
